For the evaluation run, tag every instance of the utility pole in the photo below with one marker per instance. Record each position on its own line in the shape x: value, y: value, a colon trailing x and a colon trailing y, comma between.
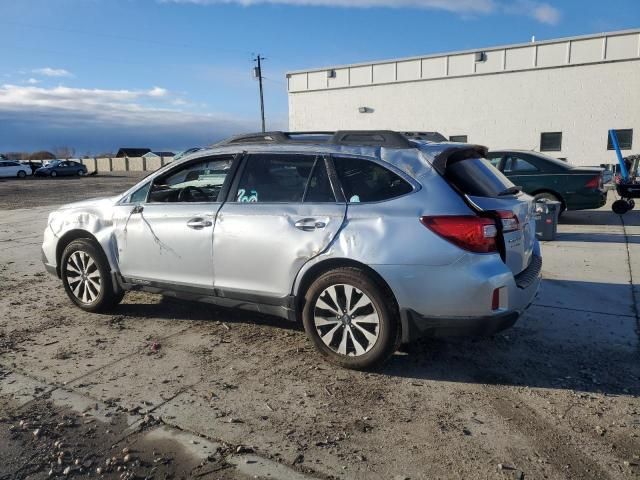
x: 258, y: 74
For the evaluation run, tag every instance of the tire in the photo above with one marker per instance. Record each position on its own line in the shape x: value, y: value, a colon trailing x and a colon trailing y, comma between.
x: 341, y: 337
x: 53, y: 173
x: 80, y: 173
x: 620, y: 207
x: 22, y: 174
x: 86, y: 276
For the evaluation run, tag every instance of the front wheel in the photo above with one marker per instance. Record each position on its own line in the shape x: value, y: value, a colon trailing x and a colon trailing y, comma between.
x: 86, y: 277
x: 22, y: 174
x: 80, y: 173
x: 351, y: 319
x: 54, y: 173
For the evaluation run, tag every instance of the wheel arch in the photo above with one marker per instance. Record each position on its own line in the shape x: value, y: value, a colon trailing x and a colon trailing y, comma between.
x: 307, y: 277
x: 552, y: 192
x: 69, y: 237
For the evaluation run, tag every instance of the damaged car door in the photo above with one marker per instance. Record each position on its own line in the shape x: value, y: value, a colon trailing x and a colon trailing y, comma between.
x: 164, y: 231
x: 282, y: 211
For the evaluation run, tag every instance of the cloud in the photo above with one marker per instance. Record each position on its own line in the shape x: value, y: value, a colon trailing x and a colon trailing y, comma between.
x: 157, y: 92
x: 33, y: 81
x: 545, y: 13
x: 542, y: 12
x: 97, y: 119
x: 52, y: 72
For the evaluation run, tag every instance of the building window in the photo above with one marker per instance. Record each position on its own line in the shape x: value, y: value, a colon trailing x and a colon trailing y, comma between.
x: 551, y: 142
x: 625, y: 139
x: 458, y: 138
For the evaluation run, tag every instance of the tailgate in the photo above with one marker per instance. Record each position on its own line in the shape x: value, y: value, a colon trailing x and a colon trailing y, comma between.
x: 519, y: 241
x: 489, y: 192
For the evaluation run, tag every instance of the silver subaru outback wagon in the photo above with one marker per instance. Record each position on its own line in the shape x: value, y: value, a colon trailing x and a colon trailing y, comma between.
x: 369, y: 238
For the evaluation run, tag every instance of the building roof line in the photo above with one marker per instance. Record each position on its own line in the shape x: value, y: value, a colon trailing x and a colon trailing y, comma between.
x: 474, y: 50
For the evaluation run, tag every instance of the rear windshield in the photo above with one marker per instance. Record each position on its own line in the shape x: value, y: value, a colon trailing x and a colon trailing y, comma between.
x: 477, y: 177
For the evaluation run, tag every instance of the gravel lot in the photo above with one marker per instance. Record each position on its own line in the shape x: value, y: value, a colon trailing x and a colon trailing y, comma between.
x: 226, y: 394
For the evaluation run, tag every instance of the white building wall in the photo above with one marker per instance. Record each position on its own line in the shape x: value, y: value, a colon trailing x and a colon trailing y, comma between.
x: 580, y: 87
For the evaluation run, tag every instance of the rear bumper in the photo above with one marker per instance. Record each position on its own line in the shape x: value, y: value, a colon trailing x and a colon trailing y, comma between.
x: 416, y: 326
x: 582, y: 201
x: 458, y: 301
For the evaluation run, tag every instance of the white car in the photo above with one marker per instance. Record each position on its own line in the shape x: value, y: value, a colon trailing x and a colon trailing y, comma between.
x: 9, y: 168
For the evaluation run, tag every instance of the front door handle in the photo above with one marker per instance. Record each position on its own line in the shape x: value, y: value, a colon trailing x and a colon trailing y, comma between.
x: 199, y: 223
x: 309, y: 224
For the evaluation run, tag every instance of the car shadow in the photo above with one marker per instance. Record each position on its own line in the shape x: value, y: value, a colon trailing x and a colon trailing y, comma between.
x: 603, y: 216
x: 168, y: 308
x: 554, y: 345
x: 597, y: 237
x: 577, y: 335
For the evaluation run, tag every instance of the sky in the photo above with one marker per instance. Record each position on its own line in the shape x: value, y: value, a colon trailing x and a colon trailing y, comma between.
x: 96, y: 75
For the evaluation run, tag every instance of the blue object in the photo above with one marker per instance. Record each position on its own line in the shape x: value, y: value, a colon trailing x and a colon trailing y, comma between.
x: 623, y: 167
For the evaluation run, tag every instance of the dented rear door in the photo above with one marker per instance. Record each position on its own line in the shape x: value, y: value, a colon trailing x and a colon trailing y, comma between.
x: 282, y: 211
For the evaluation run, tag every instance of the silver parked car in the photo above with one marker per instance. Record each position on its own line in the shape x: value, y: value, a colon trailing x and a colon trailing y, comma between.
x: 369, y: 238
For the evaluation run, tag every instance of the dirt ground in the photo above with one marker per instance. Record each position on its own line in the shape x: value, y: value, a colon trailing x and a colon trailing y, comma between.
x: 41, y: 191
x: 557, y: 396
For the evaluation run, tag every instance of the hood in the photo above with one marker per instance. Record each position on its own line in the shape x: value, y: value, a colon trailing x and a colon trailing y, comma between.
x: 98, y: 203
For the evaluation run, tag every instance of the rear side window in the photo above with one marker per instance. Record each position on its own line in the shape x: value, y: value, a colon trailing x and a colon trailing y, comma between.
x: 477, y: 177
x: 319, y: 188
x: 366, y: 181
x: 275, y: 178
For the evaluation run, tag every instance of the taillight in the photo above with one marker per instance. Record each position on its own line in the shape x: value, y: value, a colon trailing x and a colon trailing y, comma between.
x: 595, y: 182
x: 510, y: 222
x: 475, y: 234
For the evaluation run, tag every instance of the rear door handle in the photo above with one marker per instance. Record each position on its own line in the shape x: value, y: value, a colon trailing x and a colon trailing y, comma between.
x: 309, y: 224
x: 199, y: 223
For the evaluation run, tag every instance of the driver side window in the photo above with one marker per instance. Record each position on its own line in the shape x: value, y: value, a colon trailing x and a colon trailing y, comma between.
x: 198, y: 181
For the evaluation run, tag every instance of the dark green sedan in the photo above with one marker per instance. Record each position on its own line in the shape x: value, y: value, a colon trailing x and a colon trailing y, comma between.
x: 577, y: 188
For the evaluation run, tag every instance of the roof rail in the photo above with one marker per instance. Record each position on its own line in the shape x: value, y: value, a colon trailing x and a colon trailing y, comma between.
x: 429, y: 136
x: 375, y: 138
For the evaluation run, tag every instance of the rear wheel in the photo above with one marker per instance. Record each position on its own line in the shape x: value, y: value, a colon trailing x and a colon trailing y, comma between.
x: 86, y: 276
x: 350, y: 319
x: 22, y: 174
x: 54, y: 173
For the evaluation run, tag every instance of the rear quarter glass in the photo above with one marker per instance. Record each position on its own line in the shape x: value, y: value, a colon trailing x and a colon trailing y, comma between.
x: 477, y: 177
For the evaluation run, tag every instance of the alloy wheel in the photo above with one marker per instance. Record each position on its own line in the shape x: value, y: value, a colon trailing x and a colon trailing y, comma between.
x: 83, y: 277
x: 346, y: 320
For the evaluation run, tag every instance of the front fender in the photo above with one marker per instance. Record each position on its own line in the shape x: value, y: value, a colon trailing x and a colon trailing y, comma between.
x: 67, y: 224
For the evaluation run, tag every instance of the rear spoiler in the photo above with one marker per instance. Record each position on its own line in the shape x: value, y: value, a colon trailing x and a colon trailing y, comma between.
x: 456, y: 153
